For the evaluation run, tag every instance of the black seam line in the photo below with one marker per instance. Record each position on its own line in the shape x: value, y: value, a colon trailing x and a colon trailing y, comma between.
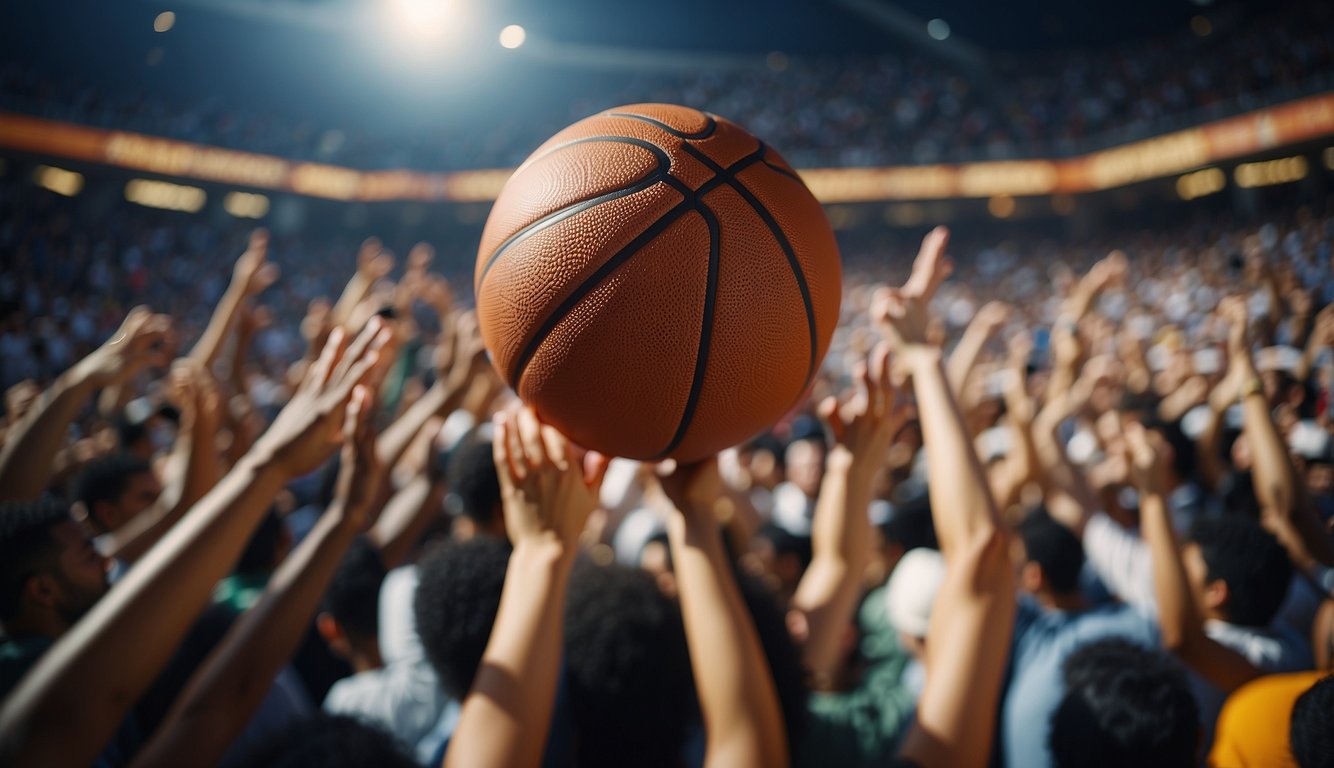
x: 657, y: 174
x: 705, y: 330
x: 708, y: 130
x: 781, y: 238
x: 609, y: 266
x: 786, y: 172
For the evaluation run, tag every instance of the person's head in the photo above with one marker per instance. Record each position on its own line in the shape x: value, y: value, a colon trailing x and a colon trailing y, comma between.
x: 1183, y: 461
x: 910, y: 594
x: 1048, y: 555
x: 781, y: 557
x: 1311, y: 732
x: 458, y: 595
x: 631, y: 695
x: 475, y: 488
x: 1124, y: 705
x: 327, y: 741
x: 804, y: 464
x: 114, y: 489
x: 350, y: 621
x: 50, y: 573
x: 1238, y: 572
x: 908, y: 527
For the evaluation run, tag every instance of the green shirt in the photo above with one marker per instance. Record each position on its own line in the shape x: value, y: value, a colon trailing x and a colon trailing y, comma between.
x: 17, y: 656
x: 862, y: 726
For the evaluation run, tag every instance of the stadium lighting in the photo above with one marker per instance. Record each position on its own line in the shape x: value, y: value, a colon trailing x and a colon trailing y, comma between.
x: 1329, y: 158
x: 426, y: 20
x: 245, y: 205
x: 1201, y: 183
x: 164, y: 21
x: 58, y: 180
x: 938, y: 29
x: 165, y: 195
x: 1271, y: 172
x: 1001, y: 206
x: 513, y: 36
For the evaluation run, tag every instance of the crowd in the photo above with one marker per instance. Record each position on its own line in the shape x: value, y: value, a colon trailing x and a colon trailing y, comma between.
x: 896, y: 108
x: 1046, y: 504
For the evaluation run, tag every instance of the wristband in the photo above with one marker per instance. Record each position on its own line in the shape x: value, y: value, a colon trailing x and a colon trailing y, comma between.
x: 1253, y: 386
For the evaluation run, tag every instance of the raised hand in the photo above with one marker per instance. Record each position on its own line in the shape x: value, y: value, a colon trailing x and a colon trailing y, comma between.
x: 307, y: 431
x: 139, y: 343
x: 254, y: 272
x: 865, y: 423
x: 693, y: 489
x: 548, y: 487
x: 902, y: 312
x: 359, y: 475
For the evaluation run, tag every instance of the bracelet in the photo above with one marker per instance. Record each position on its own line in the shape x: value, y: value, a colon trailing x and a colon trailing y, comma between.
x: 1253, y: 386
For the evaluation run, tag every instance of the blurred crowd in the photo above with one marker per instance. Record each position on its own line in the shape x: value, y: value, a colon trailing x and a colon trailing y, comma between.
x: 1047, y: 503
x: 900, y: 108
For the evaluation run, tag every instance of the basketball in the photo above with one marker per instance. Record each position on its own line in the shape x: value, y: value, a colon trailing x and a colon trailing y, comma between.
x: 657, y: 283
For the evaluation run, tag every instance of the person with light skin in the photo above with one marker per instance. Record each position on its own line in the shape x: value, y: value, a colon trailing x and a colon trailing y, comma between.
x: 73, y: 682
x: 972, y: 618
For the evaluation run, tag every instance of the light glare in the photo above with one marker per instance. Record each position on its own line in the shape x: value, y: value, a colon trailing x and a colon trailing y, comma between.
x: 58, y: 180
x: 164, y: 21
x: 513, y: 36
x: 938, y: 29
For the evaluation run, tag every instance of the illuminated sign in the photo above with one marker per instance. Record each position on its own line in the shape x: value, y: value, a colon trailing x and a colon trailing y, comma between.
x: 1180, y: 152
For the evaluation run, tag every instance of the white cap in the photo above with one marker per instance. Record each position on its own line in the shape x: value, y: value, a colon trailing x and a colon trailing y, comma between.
x: 912, y: 590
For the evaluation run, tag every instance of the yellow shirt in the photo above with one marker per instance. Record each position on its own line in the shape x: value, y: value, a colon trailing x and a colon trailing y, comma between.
x: 1253, y: 726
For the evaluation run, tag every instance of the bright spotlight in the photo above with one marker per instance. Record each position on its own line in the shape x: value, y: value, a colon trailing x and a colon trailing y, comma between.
x: 164, y: 21
x: 938, y: 29
x: 512, y: 36
x: 425, y: 19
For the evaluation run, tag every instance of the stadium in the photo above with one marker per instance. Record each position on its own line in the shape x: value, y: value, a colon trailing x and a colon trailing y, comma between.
x: 975, y: 411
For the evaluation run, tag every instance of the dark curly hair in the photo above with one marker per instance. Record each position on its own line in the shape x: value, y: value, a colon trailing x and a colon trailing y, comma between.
x: 472, y: 479
x: 1124, y: 705
x: 1311, y: 732
x: 631, y: 693
x: 458, y: 595
x: 353, y: 596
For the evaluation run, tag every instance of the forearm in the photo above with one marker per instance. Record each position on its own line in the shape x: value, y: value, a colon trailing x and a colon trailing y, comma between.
x: 228, y: 689
x: 397, y: 437
x: 742, y: 721
x: 963, y: 511
x: 74, y: 682
x: 507, y: 713
x: 404, y: 519
x: 30, y: 447
x: 1179, y: 621
x: 963, y: 359
x: 206, y: 350
x: 841, y: 550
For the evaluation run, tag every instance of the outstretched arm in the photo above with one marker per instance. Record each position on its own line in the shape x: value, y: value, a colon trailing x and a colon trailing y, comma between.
x: 1283, y: 510
x: 988, y: 320
x: 968, y: 638
x: 31, y: 445
x: 743, y: 724
x: 1179, y: 620
x: 73, y: 682
x: 253, y: 273
x: 863, y: 427
x: 547, y: 495
x: 228, y: 689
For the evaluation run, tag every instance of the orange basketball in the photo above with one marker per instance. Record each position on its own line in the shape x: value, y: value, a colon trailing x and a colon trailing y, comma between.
x: 656, y: 282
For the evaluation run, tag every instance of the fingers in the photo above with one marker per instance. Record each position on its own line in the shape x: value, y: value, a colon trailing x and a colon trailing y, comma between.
x: 259, y: 241
x: 931, y: 267
x: 880, y: 382
x: 530, y: 436
x: 357, y: 349
x: 595, y: 469
x: 554, y: 444
x: 318, y: 374
x: 516, y: 461
x: 501, y: 451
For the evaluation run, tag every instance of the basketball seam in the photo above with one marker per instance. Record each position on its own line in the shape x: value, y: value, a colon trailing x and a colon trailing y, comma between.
x: 578, y: 206
x: 779, y: 237
x: 705, y: 330
x: 702, y: 134
x: 785, y: 172
x: 584, y: 288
